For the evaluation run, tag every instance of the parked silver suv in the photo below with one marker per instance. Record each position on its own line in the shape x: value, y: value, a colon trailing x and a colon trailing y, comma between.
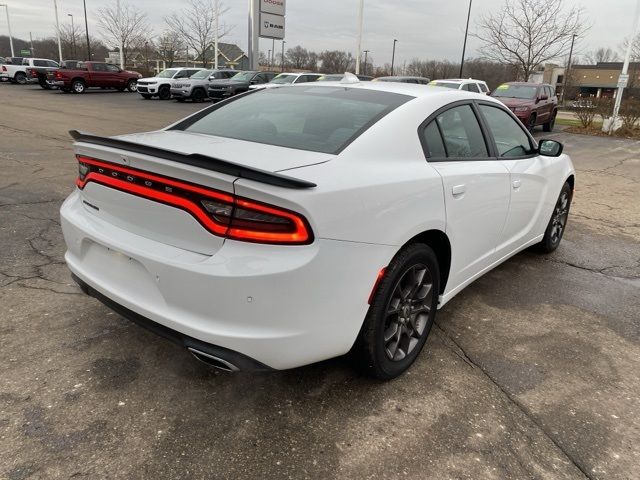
x: 195, y: 87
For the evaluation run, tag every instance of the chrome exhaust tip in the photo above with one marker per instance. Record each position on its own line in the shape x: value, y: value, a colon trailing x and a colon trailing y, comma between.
x: 213, y: 361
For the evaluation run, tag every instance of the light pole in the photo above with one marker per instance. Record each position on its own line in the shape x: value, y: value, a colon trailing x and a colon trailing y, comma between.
x: 55, y: 8
x: 466, y: 33
x: 366, y: 55
x: 625, y: 69
x: 269, y: 58
x: 215, y: 48
x: 120, y: 34
x: 9, y: 28
x: 73, y: 36
x: 360, y: 20
x: 568, y: 70
x: 393, y: 55
x: 86, y: 26
x: 283, y: 42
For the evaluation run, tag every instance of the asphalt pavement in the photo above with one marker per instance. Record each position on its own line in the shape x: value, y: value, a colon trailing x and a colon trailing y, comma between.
x: 532, y: 372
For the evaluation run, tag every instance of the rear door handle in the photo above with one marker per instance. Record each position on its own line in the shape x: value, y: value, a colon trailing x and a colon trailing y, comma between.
x: 458, y: 190
x: 516, y: 184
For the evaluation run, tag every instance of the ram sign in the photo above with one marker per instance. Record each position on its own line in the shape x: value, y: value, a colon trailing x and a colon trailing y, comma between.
x: 275, y: 7
x: 271, y: 26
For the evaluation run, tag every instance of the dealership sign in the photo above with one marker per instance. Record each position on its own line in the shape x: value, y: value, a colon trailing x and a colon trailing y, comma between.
x: 272, y: 19
x: 271, y: 26
x: 274, y: 7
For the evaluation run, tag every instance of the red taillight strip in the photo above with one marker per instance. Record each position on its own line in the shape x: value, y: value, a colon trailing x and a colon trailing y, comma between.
x: 157, y: 196
x: 301, y: 235
x: 149, y: 176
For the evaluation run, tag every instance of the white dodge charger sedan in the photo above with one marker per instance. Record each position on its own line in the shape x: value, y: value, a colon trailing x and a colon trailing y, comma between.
x: 287, y: 226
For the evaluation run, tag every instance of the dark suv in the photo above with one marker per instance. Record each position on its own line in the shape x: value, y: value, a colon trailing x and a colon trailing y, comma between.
x: 239, y: 83
x: 533, y: 103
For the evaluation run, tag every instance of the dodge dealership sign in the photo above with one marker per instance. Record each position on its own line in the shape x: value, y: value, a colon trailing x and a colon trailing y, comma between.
x: 275, y: 7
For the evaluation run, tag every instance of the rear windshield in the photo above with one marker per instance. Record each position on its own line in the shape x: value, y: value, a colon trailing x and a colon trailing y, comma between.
x: 515, y: 91
x: 445, y: 84
x: 319, y: 119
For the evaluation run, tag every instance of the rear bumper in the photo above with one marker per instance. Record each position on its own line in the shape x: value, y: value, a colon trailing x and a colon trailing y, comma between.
x: 56, y: 83
x: 234, y: 360
x: 284, y: 307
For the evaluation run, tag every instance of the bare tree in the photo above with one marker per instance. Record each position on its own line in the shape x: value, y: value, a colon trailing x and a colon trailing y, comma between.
x: 130, y: 24
x: 196, y: 25
x: 601, y: 54
x: 168, y: 46
x: 71, y: 39
x: 297, y: 57
x: 336, y: 61
x: 529, y: 33
x: 312, y: 62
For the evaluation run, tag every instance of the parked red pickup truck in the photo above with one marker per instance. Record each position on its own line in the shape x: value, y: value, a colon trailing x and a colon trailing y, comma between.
x: 94, y: 74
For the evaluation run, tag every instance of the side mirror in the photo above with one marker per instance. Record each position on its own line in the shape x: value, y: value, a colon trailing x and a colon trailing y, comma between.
x: 544, y: 97
x: 550, y: 148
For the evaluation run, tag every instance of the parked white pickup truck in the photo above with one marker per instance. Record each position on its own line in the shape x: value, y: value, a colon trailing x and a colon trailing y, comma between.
x: 18, y: 73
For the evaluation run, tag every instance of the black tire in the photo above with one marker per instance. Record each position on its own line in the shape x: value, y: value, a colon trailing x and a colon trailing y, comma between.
x: 20, y: 78
x: 532, y: 122
x: 146, y: 96
x: 44, y: 85
x: 132, y: 85
x: 198, y: 95
x: 78, y: 86
x: 558, y: 222
x: 548, y: 127
x: 164, y: 93
x: 397, y: 326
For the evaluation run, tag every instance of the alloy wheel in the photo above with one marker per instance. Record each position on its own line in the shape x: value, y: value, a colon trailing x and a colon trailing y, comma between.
x: 407, y: 313
x: 560, y: 215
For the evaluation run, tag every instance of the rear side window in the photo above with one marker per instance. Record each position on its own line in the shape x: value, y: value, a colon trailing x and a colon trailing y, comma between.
x: 316, y: 118
x: 511, y: 140
x: 473, y: 87
x: 433, y: 141
x: 40, y: 63
x: 483, y: 87
x: 461, y: 133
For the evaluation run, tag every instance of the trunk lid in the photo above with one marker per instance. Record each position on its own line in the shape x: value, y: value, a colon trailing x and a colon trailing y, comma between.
x: 161, y: 221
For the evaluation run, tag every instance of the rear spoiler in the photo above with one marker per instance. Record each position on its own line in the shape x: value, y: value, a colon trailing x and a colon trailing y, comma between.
x: 196, y: 160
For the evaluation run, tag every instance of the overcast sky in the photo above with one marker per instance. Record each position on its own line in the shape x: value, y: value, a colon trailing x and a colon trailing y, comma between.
x: 431, y: 29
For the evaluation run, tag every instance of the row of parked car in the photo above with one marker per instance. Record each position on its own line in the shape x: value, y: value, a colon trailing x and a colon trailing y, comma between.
x: 533, y: 104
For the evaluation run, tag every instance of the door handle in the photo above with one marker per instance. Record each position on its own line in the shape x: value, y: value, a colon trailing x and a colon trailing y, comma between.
x: 458, y: 190
x: 516, y: 184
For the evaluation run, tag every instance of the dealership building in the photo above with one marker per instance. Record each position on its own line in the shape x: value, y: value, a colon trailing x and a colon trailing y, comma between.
x: 599, y: 80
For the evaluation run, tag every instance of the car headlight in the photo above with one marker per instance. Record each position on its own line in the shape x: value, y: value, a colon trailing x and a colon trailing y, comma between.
x: 521, y: 109
x: 139, y: 76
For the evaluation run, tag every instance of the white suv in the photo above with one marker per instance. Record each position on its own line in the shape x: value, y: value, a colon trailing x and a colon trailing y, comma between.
x: 466, y: 84
x: 285, y: 79
x: 160, y: 85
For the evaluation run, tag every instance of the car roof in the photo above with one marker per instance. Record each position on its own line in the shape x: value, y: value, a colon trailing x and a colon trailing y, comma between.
x: 530, y: 84
x: 411, y: 89
x: 459, y: 80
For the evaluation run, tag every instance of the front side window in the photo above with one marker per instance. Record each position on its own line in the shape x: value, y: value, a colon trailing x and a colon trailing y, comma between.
x: 113, y: 68
x: 511, y: 140
x: 201, y: 75
x: 39, y: 63
x: 461, y: 133
x: 243, y: 76
x: 99, y: 67
x: 315, y: 118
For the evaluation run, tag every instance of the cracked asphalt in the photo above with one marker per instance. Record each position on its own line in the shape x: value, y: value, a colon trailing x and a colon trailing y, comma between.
x: 533, y: 372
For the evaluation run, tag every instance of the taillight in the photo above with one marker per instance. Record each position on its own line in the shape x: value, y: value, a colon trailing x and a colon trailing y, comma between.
x: 221, y: 213
x: 4, y: 69
x: 33, y: 73
x: 58, y: 75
